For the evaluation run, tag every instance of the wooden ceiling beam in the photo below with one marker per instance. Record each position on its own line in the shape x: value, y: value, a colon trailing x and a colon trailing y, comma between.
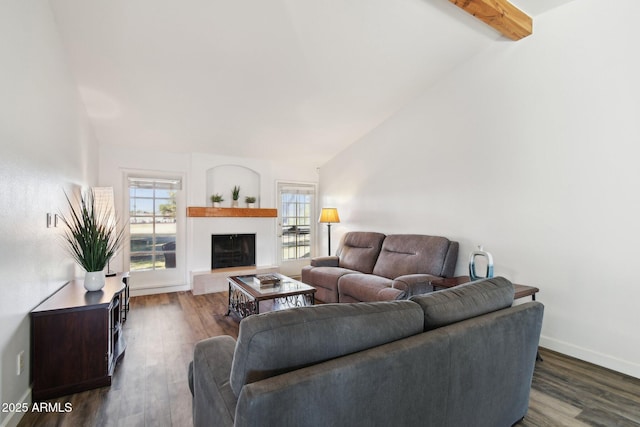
x: 499, y: 14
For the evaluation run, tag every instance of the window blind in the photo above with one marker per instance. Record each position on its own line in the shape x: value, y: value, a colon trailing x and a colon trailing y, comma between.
x: 158, y: 183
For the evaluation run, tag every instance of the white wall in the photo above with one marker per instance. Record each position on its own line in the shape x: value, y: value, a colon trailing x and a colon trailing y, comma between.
x: 531, y: 150
x: 194, y: 252
x: 46, y: 146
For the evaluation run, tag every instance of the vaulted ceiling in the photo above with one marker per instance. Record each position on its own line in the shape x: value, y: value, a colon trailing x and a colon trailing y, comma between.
x: 294, y: 79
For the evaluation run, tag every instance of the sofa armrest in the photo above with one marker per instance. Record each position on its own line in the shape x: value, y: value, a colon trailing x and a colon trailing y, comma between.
x: 414, y: 284
x: 325, y: 261
x: 214, y: 402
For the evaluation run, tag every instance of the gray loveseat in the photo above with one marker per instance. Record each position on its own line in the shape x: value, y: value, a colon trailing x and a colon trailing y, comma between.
x: 371, y: 266
x: 458, y: 357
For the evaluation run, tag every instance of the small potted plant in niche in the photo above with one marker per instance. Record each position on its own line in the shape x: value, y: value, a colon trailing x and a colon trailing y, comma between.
x: 92, y: 237
x: 216, y: 199
x: 235, y: 194
x: 251, y: 201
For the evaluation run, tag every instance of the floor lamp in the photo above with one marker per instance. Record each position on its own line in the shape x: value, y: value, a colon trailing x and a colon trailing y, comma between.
x: 328, y: 216
x: 105, y: 207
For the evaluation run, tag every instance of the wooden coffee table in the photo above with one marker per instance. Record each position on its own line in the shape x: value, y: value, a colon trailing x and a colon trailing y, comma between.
x: 245, y: 294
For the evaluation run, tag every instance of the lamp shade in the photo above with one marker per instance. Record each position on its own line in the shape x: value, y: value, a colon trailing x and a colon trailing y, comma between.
x: 329, y: 215
x: 104, y: 203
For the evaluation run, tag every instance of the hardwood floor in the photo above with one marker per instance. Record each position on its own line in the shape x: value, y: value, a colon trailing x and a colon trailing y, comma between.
x: 150, y: 387
x: 570, y: 392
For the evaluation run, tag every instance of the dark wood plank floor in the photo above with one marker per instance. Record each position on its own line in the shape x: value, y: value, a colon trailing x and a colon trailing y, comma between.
x: 150, y: 388
x: 570, y: 392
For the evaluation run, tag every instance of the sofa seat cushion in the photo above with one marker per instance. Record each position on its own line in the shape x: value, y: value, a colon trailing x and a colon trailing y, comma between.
x: 358, y: 250
x: 327, y: 277
x: 273, y: 343
x: 403, y: 254
x: 465, y: 301
x: 325, y: 280
x: 367, y: 287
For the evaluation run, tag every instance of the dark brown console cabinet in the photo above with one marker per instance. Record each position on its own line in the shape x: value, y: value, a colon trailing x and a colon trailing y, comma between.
x: 77, y: 339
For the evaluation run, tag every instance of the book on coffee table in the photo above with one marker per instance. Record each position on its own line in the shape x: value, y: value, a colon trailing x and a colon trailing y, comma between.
x: 266, y: 280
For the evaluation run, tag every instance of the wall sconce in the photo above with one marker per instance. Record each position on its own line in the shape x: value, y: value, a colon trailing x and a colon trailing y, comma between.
x: 328, y: 216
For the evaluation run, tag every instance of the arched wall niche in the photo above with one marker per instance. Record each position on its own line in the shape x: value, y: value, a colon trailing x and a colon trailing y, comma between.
x: 221, y: 180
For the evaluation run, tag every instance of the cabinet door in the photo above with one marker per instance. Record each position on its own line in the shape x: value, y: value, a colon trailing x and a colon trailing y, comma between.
x: 69, y: 350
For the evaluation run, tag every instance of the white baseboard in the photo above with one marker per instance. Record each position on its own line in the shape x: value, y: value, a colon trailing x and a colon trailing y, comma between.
x: 623, y: 366
x: 157, y: 290
x: 14, y: 417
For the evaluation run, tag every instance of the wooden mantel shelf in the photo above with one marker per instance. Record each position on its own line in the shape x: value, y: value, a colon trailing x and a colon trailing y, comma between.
x: 206, y: 212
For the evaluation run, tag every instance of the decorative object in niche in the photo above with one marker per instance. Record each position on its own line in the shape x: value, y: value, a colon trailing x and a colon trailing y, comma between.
x: 216, y: 199
x: 251, y: 201
x: 235, y: 194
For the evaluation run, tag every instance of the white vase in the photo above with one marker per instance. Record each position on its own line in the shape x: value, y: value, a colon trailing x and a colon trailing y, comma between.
x: 251, y: 205
x: 234, y: 203
x: 216, y: 204
x: 94, y: 280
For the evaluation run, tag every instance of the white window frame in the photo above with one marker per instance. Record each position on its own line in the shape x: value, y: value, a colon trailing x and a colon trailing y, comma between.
x: 293, y: 266
x: 145, y: 279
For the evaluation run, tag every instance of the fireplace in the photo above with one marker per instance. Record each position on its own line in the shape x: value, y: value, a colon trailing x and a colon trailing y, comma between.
x: 233, y: 250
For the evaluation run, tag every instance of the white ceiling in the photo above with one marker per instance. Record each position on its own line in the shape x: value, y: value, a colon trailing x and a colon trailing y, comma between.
x: 295, y: 79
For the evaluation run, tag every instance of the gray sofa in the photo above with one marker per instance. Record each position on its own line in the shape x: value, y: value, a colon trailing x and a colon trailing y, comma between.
x: 371, y: 266
x: 458, y: 357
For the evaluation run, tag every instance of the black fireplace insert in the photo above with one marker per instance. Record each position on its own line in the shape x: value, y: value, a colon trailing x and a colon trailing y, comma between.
x: 233, y: 250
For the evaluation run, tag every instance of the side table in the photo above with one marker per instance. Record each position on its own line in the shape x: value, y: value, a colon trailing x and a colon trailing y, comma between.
x: 521, y: 291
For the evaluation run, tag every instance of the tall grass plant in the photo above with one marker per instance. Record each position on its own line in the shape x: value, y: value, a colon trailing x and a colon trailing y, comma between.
x: 92, y: 235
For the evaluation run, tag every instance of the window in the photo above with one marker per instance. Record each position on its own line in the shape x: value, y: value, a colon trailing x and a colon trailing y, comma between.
x: 296, y: 211
x: 152, y: 223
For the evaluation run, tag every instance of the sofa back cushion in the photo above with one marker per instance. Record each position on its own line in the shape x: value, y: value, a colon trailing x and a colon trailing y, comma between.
x: 358, y: 250
x: 403, y: 254
x: 465, y: 301
x: 276, y: 342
